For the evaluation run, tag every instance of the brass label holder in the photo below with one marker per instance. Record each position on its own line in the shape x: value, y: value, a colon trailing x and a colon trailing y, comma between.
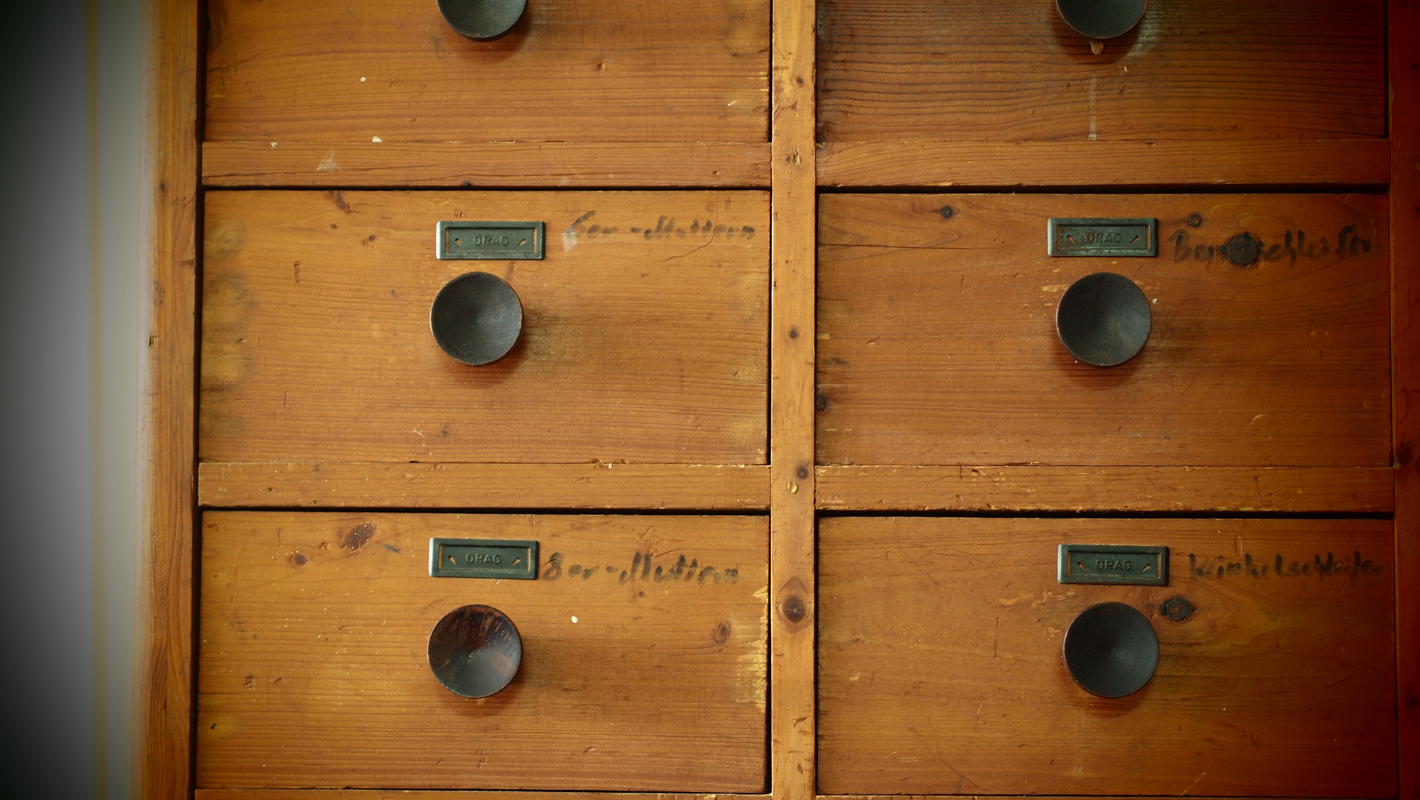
x: 483, y: 558
x: 490, y: 241
x: 1112, y: 237
x: 1127, y: 565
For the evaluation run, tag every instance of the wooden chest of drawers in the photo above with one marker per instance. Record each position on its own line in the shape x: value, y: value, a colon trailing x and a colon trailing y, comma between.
x: 788, y: 415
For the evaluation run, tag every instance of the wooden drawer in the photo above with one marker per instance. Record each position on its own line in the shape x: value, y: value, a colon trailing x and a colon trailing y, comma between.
x: 599, y: 70
x: 644, y: 333
x: 643, y: 666
x: 1011, y: 70
x: 940, y: 667
x: 937, y: 340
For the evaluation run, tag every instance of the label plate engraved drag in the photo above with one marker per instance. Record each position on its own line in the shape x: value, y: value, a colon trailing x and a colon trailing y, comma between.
x: 482, y: 558
x: 490, y: 241
x: 1103, y: 237
x: 1113, y: 564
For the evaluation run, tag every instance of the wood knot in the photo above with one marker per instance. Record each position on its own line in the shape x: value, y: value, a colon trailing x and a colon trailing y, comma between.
x: 1177, y: 609
x: 722, y: 633
x: 359, y: 536
x: 794, y: 609
x: 802, y: 473
x: 299, y: 559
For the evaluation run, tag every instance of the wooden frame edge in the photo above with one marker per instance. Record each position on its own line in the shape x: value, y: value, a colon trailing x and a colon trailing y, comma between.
x: 1404, y: 72
x: 793, y: 735
x: 163, y: 644
x: 445, y: 794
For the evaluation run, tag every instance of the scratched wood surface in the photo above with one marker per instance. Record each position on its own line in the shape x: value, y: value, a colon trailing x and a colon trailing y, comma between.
x: 644, y: 655
x: 718, y: 487
x: 163, y: 643
x: 1010, y: 70
x: 940, y: 666
x: 575, y: 165
x: 1405, y: 255
x: 937, y: 342
x: 791, y: 411
x: 1273, y: 490
x: 593, y: 70
x: 644, y: 334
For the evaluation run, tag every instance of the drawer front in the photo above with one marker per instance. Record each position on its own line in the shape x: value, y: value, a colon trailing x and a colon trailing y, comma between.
x: 644, y: 330
x: 1011, y: 70
x: 940, y: 666
x: 938, y: 343
x: 643, y: 655
x: 595, y: 70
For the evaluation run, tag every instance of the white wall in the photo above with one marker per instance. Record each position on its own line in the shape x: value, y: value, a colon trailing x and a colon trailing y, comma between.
x: 70, y: 197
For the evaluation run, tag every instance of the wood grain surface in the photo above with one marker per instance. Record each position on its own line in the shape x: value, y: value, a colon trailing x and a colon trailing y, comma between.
x: 314, y: 665
x: 726, y: 487
x: 163, y: 643
x: 791, y: 410
x: 575, y: 165
x: 1010, y: 70
x: 940, y: 666
x: 937, y: 341
x: 594, y: 70
x: 643, y: 340
x: 1273, y: 490
x: 1405, y: 270
x: 1347, y: 163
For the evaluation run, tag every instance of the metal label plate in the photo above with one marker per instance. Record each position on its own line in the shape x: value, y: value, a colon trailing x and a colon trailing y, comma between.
x: 491, y: 241
x: 482, y: 558
x: 1104, y: 237
x: 1113, y: 564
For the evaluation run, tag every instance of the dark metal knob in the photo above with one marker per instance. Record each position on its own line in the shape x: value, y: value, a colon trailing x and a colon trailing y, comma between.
x: 1101, y: 19
x: 475, y: 651
x: 476, y: 318
x: 1111, y: 650
x: 482, y: 19
x: 1103, y: 319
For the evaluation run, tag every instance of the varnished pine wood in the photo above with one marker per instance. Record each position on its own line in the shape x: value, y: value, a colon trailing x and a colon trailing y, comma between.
x: 163, y: 632
x: 1281, y: 490
x: 938, y: 343
x: 645, y: 344
x: 597, y: 70
x: 1010, y: 70
x: 1201, y: 162
x: 575, y: 165
x: 791, y: 414
x: 584, y: 486
x: 314, y: 665
x: 940, y: 666
x: 1405, y: 265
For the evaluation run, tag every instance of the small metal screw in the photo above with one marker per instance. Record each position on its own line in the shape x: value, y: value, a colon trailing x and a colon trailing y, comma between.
x: 1177, y: 609
x: 1194, y: 220
x: 946, y: 212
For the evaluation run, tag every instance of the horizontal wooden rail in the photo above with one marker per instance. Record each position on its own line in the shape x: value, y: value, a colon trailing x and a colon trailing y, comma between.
x: 444, y: 485
x: 497, y: 164
x: 1300, y: 490
x: 1202, y: 163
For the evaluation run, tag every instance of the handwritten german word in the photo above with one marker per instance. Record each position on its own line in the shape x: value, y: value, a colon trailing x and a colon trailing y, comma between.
x: 666, y: 228
x: 1280, y: 567
x: 641, y: 569
x: 1294, y: 245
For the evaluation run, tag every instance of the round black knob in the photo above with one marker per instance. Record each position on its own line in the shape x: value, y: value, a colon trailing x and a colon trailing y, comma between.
x: 1101, y: 19
x: 1103, y: 319
x: 1111, y: 650
x: 475, y: 651
x: 482, y: 19
x: 476, y: 318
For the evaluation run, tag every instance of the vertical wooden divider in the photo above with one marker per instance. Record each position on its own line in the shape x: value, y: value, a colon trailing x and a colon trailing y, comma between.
x: 164, y: 644
x: 1404, y: 69
x: 791, y: 417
